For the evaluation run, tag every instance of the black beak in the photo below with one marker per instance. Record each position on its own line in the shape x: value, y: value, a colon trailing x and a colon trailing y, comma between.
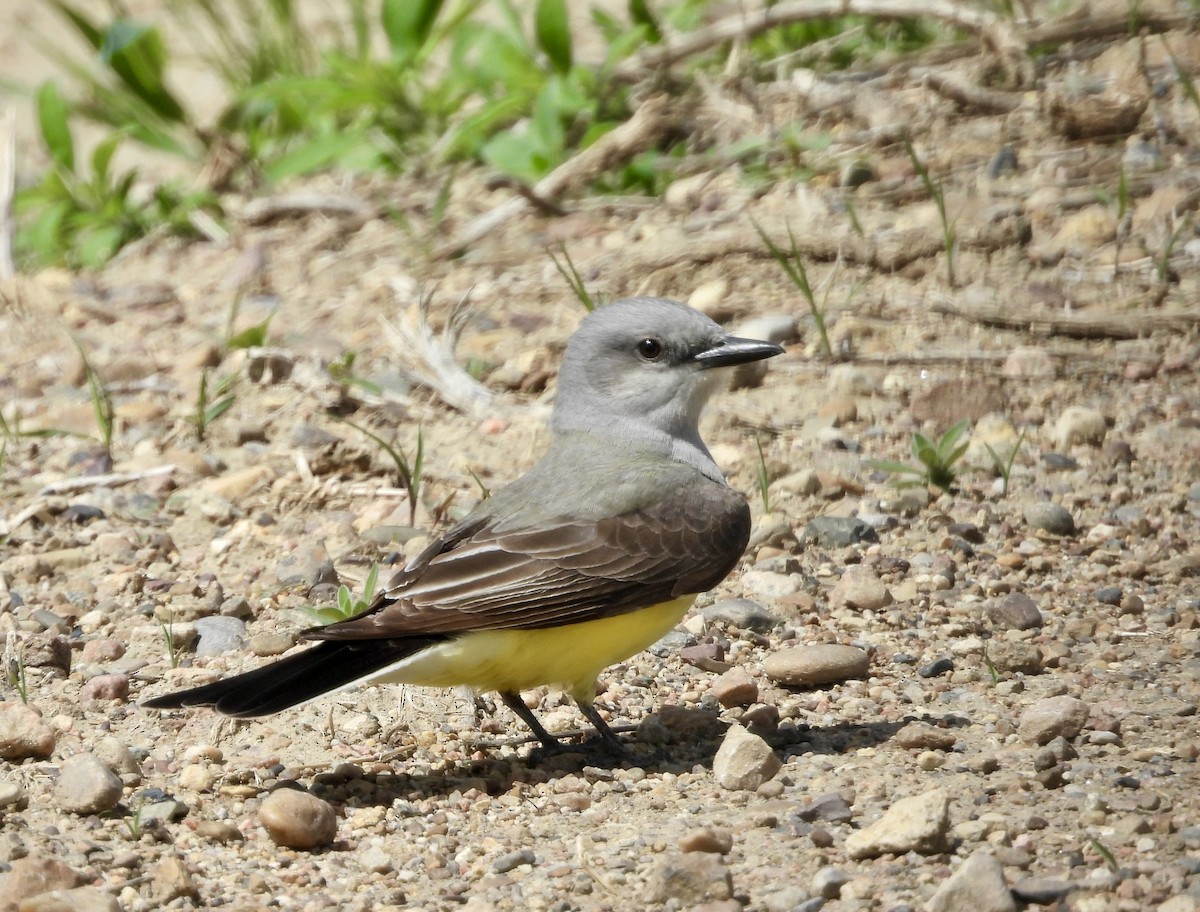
x: 731, y: 350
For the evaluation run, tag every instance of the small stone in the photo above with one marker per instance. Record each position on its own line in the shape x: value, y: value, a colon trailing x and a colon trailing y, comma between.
x: 81, y: 899
x: 86, y: 785
x: 690, y: 879
x: 808, y: 666
x: 706, y: 657
x: 744, y: 614
x: 23, y: 733
x: 1050, y: 517
x: 923, y: 736
x: 222, y: 831
x: 707, y: 839
x: 828, y: 882
x: 219, y: 634
x: 803, y: 483
x: 297, y: 819
x: 735, y: 688
x: 916, y: 824
x: 1108, y: 595
x: 12, y: 795
x: 838, y: 532
x: 106, y: 687
x: 1079, y: 425
x: 266, y: 645
x: 768, y: 584
x: 306, y: 565
x: 786, y: 899
x: 1015, y: 611
x: 514, y: 859
x: 744, y: 761
x: 99, y: 652
x: 860, y: 588
x: 830, y: 808
x: 978, y: 885
x: 1051, y: 718
x: 34, y: 875
x: 709, y: 299
x: 936, y: 668
x: 1031, y: 363
x: 171, y: 880
x: 1042, y: 891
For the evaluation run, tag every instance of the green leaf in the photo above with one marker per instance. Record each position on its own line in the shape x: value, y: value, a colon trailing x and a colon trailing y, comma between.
x: 252, y: 336
x: 102, y: 156
x: 53, y: 113
x: 369, y: 585
x: 137, y: 55
x: 315, y: 155
x: 217, y: 409
x: 554, y: 33
x: 90, y: 32
x: 641, y: 14
x: 407, y: 24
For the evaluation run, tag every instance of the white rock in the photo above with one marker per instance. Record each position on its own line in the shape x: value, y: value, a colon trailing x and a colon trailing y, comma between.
x: 977, y: 885
x: 916, y: 824
x: 744, y: 760
x: 1079, y: 425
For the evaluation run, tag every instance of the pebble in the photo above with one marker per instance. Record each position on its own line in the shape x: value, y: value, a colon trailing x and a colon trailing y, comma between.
x: 23, y: 733
x: 807, y: 666
x: 86, y: 785
x: 838, y: 532
x: 923, y: 736
x: 978, y: 885
x: 802, y: 483
x: 219, y: 634
x: 106, y: 687
x: 830, y: 808
x: 919, y: 823
x: 1042, y: 891
x: 81, y: 899
x: 769, y: 584
x: 787, y: 899
x: 266, y: 645
x: 1015, y: 611
x: 707, y: 839
x: 222, y: 831
x: 297, y: 819
x: 735, y: 688
x: 828, y: 882
x: 33, y: 875
x: 742, y: 613
x: 1035, y: 363
x: 1109, y: 595
x: 710, y: 299
x: 859, y: 587
x: 936, y: 668
x: 1079, y: 425
x: 171, y: 880
x: 308, y: 564
x: 690, y: 879
x: 1053, y: 717
x: 1049, y: 517
x: 744, y: 761
x: 514, y: 859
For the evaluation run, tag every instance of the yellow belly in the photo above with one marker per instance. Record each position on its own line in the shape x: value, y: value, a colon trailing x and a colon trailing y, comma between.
x: 571, y: 656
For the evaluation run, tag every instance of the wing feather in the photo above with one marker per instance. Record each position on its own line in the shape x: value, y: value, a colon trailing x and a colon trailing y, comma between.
x: 490, y: 575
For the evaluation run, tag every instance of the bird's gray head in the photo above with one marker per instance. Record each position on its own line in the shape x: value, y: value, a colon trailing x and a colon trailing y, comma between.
x: 640, y: 369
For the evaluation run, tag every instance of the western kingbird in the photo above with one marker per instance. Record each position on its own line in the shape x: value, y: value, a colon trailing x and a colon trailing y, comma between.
x: 588, y: 558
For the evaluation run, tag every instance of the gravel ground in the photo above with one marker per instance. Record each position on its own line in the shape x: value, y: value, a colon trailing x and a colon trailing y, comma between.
x: 904, y: 698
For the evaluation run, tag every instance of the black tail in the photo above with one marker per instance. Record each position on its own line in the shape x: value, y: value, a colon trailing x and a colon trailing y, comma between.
x: 296, y: 679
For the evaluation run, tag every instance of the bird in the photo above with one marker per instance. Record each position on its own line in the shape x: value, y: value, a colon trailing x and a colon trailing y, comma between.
x: 590, y: 557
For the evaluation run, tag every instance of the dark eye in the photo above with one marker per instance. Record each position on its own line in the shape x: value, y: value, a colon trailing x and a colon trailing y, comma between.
x: 649, y: 349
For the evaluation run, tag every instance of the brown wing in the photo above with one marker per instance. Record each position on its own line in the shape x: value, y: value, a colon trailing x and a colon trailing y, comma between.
x: 564, y: 571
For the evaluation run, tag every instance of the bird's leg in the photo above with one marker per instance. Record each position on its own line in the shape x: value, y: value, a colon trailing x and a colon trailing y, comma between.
x: 514, y: 702
x: 590, y: 713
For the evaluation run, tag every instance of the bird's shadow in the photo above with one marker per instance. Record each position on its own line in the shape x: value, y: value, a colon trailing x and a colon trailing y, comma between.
x: 690, y: 740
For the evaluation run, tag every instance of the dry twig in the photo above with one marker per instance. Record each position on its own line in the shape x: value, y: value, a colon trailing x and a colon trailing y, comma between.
x: 1080, y: 325
x: 642, y: 130
x: 997, y: 33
